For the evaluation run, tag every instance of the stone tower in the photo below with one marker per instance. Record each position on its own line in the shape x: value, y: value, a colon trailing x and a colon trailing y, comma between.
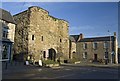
x: 40, y: 36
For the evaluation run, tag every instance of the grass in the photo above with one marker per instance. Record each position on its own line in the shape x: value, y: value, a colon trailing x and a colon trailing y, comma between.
x: 49, y: 62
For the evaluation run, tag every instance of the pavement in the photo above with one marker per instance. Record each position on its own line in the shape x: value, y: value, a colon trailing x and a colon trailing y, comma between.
x: 20, y: 67
x: 70, y: 71
x: 65, y: 71
x: 17, y: 67
x: 113, y: 66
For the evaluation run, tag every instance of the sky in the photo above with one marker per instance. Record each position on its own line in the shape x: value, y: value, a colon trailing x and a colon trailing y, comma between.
x: 90, y: 18
x: 59, y: 0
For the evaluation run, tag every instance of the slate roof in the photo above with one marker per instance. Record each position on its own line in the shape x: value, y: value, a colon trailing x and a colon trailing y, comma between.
x: 6, y: 16
x: 106, y: 38
x: 74, y: 38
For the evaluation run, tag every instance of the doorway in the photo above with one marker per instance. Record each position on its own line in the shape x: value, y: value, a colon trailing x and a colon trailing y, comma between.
x: 95, y: 57
x: 52, y: 54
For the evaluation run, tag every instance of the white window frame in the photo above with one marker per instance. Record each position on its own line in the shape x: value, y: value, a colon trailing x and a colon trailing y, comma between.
x: 95, y: 45
x: 5, y: 32
x: 105, y: 44
x: 84, y: 45
x: 85, y: 55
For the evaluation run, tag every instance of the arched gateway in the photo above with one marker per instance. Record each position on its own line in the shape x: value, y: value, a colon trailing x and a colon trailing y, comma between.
x: 52, y: 54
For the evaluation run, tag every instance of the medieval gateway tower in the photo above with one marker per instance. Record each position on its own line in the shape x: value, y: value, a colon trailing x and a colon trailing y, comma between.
x: 40, y: 36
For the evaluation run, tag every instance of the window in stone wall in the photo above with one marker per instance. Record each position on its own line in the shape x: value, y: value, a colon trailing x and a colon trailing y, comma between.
x: 84, y: 45
x: 5, y: 34
x: 85, y: 55
x: 44, y: 54
x: 5, y: 51
x: 60, y: 40
x: 74, y: 52
x: 106, y: 55
x: 33, y: 37
x: 42, y: 38
x: 94, y: 45
x: 105, y: 44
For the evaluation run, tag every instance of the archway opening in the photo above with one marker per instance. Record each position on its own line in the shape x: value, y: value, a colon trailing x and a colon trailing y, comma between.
x: 52, y: 54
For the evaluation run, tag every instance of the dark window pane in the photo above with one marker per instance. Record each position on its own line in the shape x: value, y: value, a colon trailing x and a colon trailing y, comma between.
x: 60, y: 40
x: 32, y: 37
x: 42, y: 38
x: 44, y: 54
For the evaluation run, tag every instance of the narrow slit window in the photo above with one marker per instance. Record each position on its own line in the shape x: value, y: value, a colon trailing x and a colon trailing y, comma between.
x: 42, y: 38
x: 33, y: 37
x: 60, y: 40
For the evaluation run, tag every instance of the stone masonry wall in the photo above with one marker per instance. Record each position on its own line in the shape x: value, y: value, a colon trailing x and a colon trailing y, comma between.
x: 21, y: 35
x: 100, y: 51
x: 73, y: 50
x: 48, y: 32
x: 51, y: 29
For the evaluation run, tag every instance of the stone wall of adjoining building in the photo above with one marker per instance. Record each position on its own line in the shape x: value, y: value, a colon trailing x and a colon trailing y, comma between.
x: 100, y: 51
x: 21, y: 35
x: 43, y: 33
x: 72, y: 48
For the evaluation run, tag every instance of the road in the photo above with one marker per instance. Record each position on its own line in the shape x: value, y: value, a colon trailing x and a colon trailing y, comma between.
x: 64, y: 72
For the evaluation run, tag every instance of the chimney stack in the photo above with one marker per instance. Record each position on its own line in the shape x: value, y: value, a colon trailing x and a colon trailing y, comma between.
x: 114, y: 34
x: 80, y: 37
